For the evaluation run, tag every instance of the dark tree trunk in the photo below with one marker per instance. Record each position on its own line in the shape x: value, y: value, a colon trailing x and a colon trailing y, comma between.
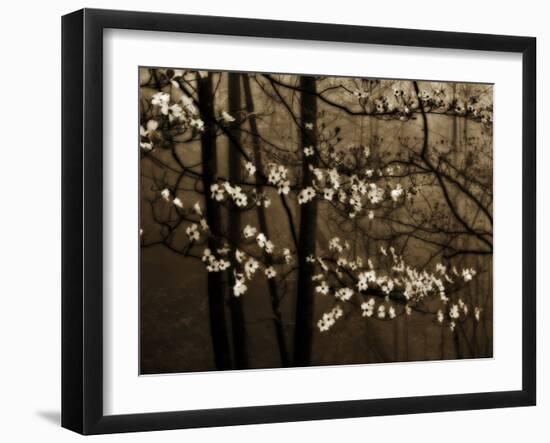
x: 216, y: 302
x: 262, y: 223
x: 234, y: 221
x: 303, y: 332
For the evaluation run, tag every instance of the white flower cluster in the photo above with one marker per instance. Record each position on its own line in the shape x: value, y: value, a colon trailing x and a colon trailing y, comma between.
x: 382, y: 312
x: 214, y: 264
x: 335, y: 244
x: 306, y: 195
x: 403, y: 281
x: 145, y: 135
x: 251, y: 266
x: 239, y: 288
x: 278, y: 176
x: 468, y: 274
x: 355, y: 191
x: 218, y: 193
x: 162, y: 101
x: 236, y: 193
x: 328, y: 319
x: 182, y: 113
x: 367, y: 307
x: 396, y: 192
x: 264, y: 243
x: 364, y: 278
x: 192, y: 230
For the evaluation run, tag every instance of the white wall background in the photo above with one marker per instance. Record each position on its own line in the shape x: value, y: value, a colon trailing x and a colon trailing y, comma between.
x: 30, y: 226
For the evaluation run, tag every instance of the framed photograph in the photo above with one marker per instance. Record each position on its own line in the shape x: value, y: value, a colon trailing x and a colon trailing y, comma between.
x: 269, y: 221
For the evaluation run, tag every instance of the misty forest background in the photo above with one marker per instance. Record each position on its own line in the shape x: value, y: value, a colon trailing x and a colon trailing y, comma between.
x: 296, y: 220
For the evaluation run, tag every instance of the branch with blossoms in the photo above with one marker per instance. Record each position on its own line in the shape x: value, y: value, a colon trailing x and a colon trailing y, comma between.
x: 386, y: 295
x: 398, y: 102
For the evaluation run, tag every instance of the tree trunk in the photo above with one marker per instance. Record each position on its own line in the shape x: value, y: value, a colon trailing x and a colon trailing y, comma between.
x: 216, y: 302
x: 234, y: 222
x: 262, y: 223
x: 303, y: 332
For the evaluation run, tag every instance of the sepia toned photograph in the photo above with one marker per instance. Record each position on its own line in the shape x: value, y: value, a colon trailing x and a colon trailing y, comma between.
x: 292, y: 220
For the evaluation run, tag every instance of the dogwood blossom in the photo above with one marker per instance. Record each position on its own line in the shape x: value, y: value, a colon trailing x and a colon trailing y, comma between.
x: 249, y: 231
x: 165, y: 193
x: 239, y: 288
x: 375, y: 194
x: 197, y: 123
x: 322, y: 288
x: 477, y: 313
x: 161, y: 100
x: 261, y: 239
x: 239, y: 255
x: 192, y: 232
x: 468, y: 274
x: 227, y: 118
x: 197, y: 208
x: 306, y: 195
x: 396, y: 192
x: 344, y: 294
x: 328, y: 193
x: 454, y: 312
x: 287, y: 255
x: 362, y: 282
x: 334, y: 244
x: 217, y: 192
x: 250, y: 168
x: 250, y: 267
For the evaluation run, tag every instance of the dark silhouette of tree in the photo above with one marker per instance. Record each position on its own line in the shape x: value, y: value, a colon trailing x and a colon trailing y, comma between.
x: 216, y: 301
x: 234, y: 219
x: 303, y: 332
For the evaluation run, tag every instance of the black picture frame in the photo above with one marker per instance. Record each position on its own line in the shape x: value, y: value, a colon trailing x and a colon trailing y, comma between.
x: 82, y: 232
